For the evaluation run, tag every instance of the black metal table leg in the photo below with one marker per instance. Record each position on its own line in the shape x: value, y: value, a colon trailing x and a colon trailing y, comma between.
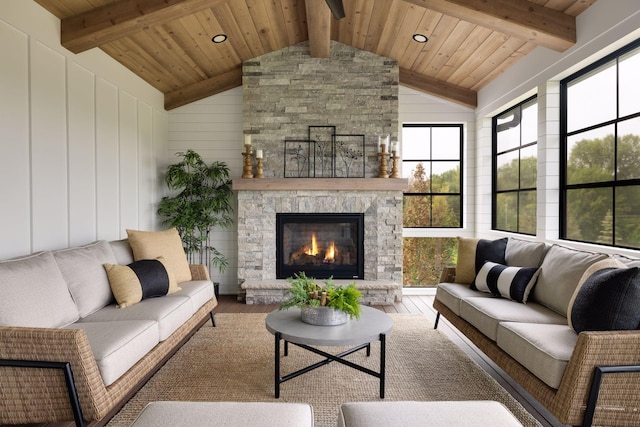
x: 278, y: 337
x: 383, y: 352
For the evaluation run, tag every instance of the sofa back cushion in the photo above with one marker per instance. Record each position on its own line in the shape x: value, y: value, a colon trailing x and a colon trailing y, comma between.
x: 122, y: 250
x: 33, y: 293
x: 560, y: 272
x: 85, y: 276
x: 523, y: 253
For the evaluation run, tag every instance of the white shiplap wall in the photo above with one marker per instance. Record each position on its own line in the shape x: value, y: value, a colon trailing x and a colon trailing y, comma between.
x: 79, y: 137
x: 212, y: 127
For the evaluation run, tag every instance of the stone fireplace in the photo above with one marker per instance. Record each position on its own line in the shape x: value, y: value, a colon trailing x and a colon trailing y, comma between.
x: 353, y: 95
x: 379, y: 200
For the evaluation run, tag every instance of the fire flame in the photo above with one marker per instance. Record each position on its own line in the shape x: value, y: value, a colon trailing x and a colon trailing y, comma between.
x: 314, y: 246
x: 330, y: 254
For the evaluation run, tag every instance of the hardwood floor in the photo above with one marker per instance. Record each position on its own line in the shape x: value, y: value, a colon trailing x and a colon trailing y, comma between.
x: 423, y: 304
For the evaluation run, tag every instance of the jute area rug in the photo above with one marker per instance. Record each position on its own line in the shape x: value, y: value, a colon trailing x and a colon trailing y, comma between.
x: 234, y: 362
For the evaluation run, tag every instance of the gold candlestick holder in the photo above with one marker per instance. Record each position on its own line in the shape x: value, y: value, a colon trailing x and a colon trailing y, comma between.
x: 395, y: 171
x: 259, y: 169
x: 247, y: 170
x: 384, y: 173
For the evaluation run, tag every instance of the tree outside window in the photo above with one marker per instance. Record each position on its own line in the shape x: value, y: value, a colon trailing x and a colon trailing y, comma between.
x: 600, y: 175
x: 515, y: 159
x: 432, y: 162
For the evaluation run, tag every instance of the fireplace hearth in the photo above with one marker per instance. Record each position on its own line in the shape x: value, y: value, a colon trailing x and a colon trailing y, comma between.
x: 321, y: 245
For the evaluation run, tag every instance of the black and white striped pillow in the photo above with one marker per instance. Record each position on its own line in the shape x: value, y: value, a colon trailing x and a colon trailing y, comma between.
x: 514, y: 283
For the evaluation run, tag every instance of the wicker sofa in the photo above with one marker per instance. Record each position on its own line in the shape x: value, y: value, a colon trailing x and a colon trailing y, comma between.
x: 68, y: 352
x: 585, y: 378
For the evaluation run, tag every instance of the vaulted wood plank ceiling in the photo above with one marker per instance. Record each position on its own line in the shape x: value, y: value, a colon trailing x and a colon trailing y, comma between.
x: 168, y: 42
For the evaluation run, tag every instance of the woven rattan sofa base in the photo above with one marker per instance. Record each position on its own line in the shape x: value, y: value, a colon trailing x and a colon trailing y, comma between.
x: 619, y: 396
x: 29, y: 395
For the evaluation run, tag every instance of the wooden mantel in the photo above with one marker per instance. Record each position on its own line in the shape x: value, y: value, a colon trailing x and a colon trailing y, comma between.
x: 315, y: 184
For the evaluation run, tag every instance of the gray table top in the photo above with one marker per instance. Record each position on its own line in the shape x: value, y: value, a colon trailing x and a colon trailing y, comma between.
x: 367, y: 329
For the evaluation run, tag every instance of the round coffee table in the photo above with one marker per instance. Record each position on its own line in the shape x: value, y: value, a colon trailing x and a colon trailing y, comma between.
x: 286, y: 325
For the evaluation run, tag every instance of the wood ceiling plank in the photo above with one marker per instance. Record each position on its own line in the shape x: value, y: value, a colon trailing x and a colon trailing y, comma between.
x: 519, y: 18
x: 266, y: 30
x: 460, y: 32
x: 364, y: 11
x: 465, y: 97
x: 426, y: 26
x: 222, y: 56
x: 140, y: 63
x: 235, y: 34
x: 487, y: 75
x: 447, y: 29
x: 377, y: 23
x: 196, y: 41
x: 392, y: 28
x: 275, y: 19
x: 241, y: 19
x: 484, y: 51
x: 405, y: 49
x: 469, y: 53
x: 167, y: 55
x: 319, y: 28
x: 120, y: 19
x: 203, y: 89
x: 295, y: 21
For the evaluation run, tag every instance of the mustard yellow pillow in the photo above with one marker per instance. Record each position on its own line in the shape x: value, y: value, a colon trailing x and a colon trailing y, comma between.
x: 466, y: 266
x: 166, y: 244
x: 139, y: 280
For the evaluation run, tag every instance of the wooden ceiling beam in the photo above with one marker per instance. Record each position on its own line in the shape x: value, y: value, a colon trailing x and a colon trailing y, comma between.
x: 203, y: 89
x: 123, y: 18
x: 518, y: 18
x: 459, y: 95
x: 318, y: 28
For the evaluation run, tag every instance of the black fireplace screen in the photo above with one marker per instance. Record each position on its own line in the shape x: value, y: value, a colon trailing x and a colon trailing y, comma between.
x: 320, y: 245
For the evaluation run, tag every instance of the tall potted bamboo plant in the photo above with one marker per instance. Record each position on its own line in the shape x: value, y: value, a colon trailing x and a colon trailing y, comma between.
x: 200, y: 202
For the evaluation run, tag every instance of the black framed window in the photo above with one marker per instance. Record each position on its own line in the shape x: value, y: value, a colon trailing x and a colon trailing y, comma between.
x: 600, y: 151
x: 515, y: 159
x: 432, y: 161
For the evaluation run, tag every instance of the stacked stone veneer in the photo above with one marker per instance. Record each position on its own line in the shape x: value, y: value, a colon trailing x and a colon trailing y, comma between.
x: 287, y: 91
x: 257, y: 210
x: 284, y: 93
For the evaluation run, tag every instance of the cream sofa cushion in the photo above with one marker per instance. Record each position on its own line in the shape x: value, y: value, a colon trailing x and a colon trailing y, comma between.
x: 560, y: 272
x: 170, y: 313
x: 523, y: 253
x: 34, y: 293
x: 86, y: 279
x: 117, y: 346
x: 487, y: 313
x: 450, y: 294
x: 123, y: 252
x: 544, y: 350
x: 198, y: 292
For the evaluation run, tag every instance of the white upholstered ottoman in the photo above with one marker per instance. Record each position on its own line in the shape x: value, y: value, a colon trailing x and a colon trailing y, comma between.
x: 225, y: 414
x: 427, y: 414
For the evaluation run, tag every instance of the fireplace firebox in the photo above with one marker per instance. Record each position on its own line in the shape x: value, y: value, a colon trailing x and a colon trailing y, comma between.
x: 320, y: 245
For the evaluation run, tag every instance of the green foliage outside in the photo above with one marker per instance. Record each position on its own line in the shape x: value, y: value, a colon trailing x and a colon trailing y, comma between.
x: 516, y: 210
x: 425, y: 257
x: 590, y: 211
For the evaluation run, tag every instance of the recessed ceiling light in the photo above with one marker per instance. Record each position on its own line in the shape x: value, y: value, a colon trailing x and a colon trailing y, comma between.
x: 219, y: 38
x: 420, y: 38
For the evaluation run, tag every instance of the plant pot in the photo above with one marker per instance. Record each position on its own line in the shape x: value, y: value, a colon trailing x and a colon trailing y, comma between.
x: 323, y: 316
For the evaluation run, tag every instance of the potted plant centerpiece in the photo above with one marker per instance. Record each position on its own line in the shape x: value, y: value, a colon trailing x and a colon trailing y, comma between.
x: 326, y: 305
